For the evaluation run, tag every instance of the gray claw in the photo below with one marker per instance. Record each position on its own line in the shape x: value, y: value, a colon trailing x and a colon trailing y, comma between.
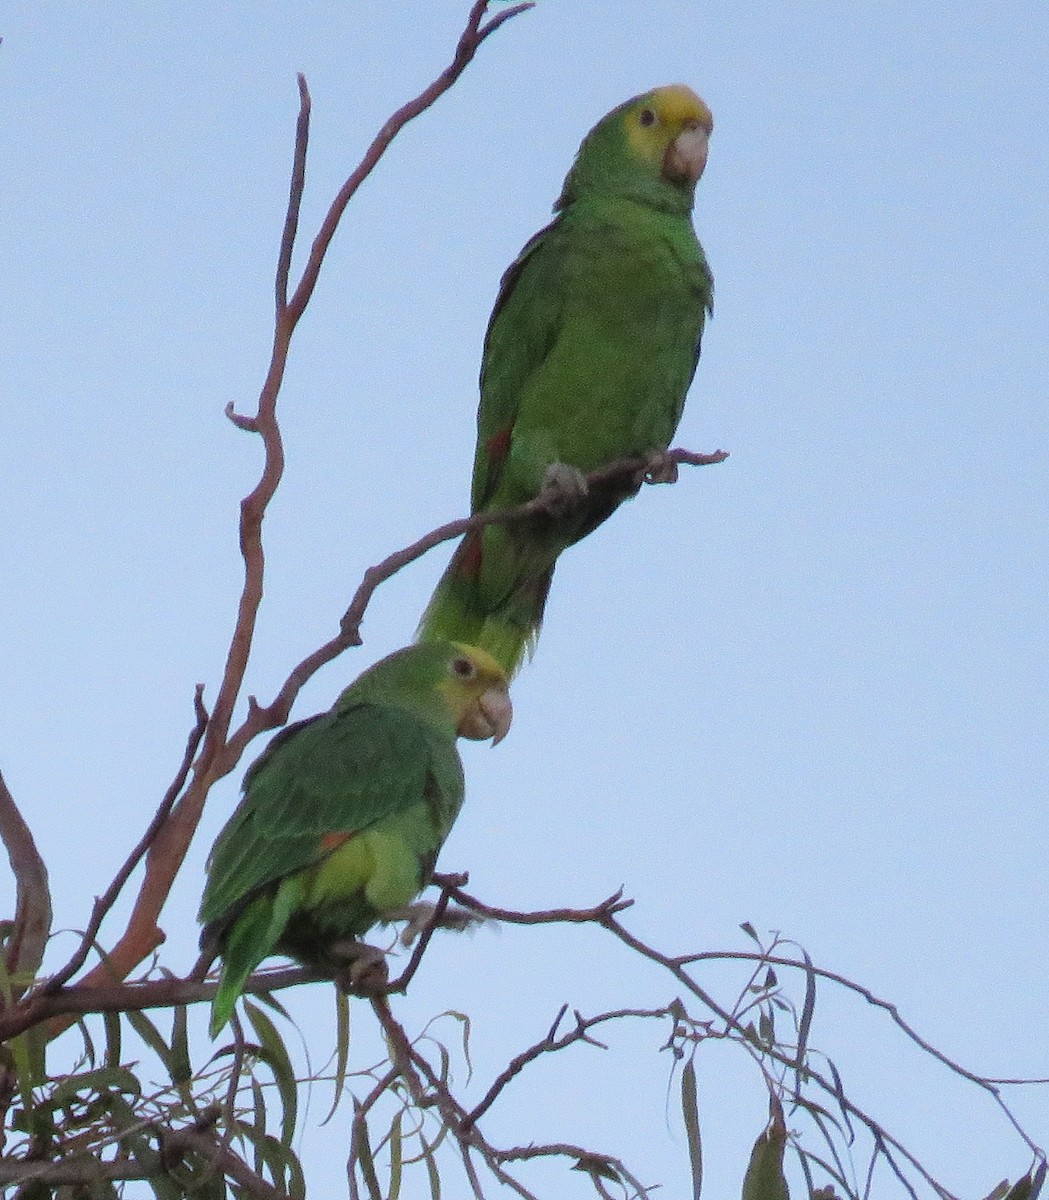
x: 563, y: 486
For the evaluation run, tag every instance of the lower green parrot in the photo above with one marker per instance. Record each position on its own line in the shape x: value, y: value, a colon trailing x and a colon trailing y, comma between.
x: 343, y: 814
x: 590, y: 350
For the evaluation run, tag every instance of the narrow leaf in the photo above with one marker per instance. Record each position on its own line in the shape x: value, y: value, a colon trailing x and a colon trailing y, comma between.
x: 111, y: 1024
x: 431, y: 1169
x: 764, y: 1179
x: 362, y: 1152
x: 275, y: 1054
x: 342, y: 1050
x: 805, y: 1024
x: 396, y: 1151
x: 690, y: 1115
x: 151, y: 1035
x: 464, y: 1019
x: 180, y: 1068
x: 258, y: 1098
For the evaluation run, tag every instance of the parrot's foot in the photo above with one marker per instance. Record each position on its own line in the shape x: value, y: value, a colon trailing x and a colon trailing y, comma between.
x: 563, y: 487
x: 420, y: 916
x: 360, y: 968
x: 660, y: 468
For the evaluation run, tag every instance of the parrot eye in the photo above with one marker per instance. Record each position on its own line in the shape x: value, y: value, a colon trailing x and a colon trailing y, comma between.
x: 647, y: 117
x: 464, y: 668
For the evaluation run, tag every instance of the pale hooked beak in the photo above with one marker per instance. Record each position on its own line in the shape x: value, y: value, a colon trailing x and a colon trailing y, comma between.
x: 686, y: 156
x: 489, y: 718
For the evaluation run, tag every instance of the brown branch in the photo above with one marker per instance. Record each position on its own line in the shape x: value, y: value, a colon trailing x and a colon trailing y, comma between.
x: 469, y: 42
x: 400, y: 984
x: 552, y: 1043
x: 83, y: 999
x: 168, y: 847
x: 232, y: 1166
x: 298, y: 184
x: 544, y: 504
x: 599, y: 914
x: 586, y: 1160
x: 605, y: 914
x: 175, y: 1143
x: 108, y: 898
x: 411, y: 1064
x: 263, y: 717
x: 989, y: 1084
x: 31, y: 926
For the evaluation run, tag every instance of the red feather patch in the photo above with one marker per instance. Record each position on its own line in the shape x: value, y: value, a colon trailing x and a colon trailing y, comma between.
x: 468, y: 558
x: 498, y: 447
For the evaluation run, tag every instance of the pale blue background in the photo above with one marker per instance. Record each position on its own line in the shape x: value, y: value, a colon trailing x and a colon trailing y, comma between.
x: 806, y: 688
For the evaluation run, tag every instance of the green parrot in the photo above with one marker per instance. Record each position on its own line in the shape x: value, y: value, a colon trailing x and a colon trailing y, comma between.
x: 590, y: 350
x: 343, y: 814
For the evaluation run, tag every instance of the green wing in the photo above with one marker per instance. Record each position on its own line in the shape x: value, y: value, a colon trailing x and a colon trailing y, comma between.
x: 340, y: 772
x: 532, y: 287
x: 344, y: 772
x: 592, y: 345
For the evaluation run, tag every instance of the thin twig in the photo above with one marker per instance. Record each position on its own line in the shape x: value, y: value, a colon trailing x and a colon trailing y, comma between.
x: 298, y: 184
x: 399, y: 984
x: 550, y: 1044
x: 987, y: 1083
x: 469, y: 42
x: 109, y: 897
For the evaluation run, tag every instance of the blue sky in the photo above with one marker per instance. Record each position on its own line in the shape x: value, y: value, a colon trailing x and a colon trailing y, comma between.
x: 806, y: 688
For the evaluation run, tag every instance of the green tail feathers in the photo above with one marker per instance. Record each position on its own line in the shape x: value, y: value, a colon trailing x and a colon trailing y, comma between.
x: 466, y: 607
x: 252, y: 937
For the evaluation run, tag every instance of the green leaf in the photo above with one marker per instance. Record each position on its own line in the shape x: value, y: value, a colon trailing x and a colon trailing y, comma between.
x: 180, y: 1068
x: 151, y: 1035
x: 362, y: 1152
x: 88, y: 1056
x: 275, y: 1053
x: 105, y: 1079
x: 1027, y: 1186
x: 464, y: 1019
x: 342, y: 1050
x: 808, y: 1008
x: 431, y: 1169
x: 690, y: 1115
x: 259, y: 1105
x: 395, y: 1157
x: 111, y: 1024
x: 764, y: 1179
x: 24, y: 1055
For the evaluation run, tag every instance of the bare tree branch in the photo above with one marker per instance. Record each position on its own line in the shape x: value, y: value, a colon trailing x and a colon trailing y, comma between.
x: 169, y: 843
x: 263, y: 717
x: 469, y: 42
x: 175, y: 1143
x: 108, y: 898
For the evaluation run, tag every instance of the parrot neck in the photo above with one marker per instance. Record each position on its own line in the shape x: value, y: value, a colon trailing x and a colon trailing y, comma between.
x: 608, y: 184
x: 426, y: 705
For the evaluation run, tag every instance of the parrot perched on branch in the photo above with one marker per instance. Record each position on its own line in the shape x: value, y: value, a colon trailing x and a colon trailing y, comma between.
x: 590, y: 350
x: 343, y: 814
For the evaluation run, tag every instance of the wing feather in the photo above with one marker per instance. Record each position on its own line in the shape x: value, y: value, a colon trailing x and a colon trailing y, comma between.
x: 340, y: 772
